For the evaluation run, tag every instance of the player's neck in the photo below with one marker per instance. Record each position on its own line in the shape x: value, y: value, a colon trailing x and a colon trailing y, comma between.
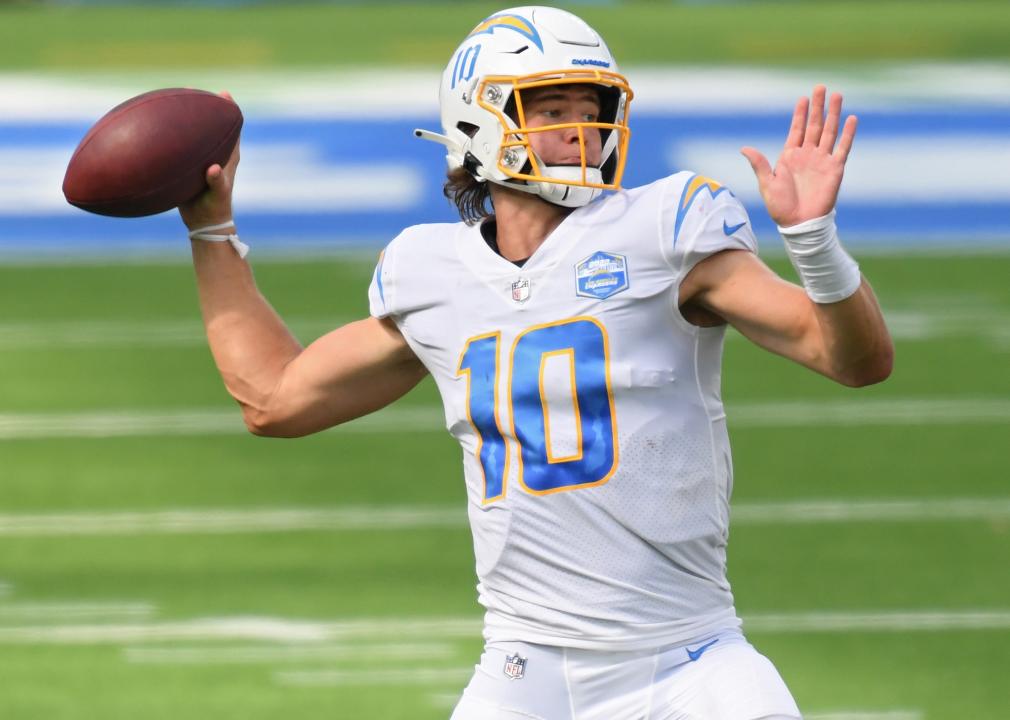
x: 524, y: 221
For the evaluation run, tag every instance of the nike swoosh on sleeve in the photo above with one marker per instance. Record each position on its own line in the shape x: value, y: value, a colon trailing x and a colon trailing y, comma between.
x: 730, y: 229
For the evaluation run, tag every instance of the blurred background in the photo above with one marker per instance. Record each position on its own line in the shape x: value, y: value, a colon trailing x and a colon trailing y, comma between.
x: 155, y: 561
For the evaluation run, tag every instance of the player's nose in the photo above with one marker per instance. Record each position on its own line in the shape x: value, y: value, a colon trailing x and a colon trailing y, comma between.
x: 570, y: 134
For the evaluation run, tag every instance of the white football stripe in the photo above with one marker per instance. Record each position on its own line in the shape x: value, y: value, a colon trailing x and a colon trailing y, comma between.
x: 396, y: 676
x: 968, y: 322
x: 869, y: 412
x: 51, y: 612
x: 190, y: 422
x: 264, y: 629
x: 895, y: 621
x: 392, y: 519
x: 126, y: 333
x: 799, y: 413
x: 282, y: 630
x: 287, y: 653
x: 226, y: 521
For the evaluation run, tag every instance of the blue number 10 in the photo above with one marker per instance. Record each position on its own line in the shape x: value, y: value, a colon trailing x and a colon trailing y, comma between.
x: 584, y: 342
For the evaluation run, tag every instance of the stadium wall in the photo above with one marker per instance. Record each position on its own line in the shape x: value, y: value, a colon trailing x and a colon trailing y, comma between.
x: 329, y: 160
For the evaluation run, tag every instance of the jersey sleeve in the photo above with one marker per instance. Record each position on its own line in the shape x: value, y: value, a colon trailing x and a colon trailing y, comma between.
x: 701, y: 217
x: 382, y: 291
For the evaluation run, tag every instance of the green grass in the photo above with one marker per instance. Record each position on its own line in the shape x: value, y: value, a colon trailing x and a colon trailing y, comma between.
x: 397, y: 573
x: 832, y: 33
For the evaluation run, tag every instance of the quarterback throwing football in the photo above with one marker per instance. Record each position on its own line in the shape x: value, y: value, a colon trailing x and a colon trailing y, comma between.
x: 576, y: 340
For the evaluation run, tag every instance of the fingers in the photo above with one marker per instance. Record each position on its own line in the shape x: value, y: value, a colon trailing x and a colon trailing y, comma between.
x: 799, y: 124
x: 848, y: 135
x: 830, y: 133
x: 759, y: 164
x: 815, y: 123
x: 234, y: 158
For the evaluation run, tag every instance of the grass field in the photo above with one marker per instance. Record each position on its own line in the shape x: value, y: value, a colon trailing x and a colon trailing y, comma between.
x: 829, y: 32
x: 156, y: 562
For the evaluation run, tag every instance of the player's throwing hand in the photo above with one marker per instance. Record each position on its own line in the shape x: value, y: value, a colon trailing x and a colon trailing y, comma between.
x: 804, y: 184
x: 213, y: 206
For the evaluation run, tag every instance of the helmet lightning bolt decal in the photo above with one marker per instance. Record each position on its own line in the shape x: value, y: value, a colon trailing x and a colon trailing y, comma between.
x: 510, y: 22
x: 694, y: 186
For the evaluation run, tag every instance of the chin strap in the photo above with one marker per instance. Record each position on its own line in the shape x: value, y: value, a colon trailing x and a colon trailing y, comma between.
x: 206, y: 234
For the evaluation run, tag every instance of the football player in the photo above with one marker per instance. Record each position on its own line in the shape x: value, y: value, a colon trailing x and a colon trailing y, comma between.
x: 576, y: 340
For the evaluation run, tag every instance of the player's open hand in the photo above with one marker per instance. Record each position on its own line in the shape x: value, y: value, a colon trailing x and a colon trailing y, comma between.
x: 213, y: 206
x: 804, y: 184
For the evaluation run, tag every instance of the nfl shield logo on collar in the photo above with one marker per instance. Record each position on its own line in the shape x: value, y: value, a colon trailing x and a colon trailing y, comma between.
x: 521, y: 290
x: 515, y: 666
x: 601, y: 275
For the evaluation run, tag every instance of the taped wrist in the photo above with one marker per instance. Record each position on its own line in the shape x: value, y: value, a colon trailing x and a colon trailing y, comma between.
x: 829, y: 274
x: 207, y: 234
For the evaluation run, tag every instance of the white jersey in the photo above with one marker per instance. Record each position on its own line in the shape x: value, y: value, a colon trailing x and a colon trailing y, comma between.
x: 594, y: 440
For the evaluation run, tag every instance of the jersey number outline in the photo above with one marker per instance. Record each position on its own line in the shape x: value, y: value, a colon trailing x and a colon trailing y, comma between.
x: 584, y: 341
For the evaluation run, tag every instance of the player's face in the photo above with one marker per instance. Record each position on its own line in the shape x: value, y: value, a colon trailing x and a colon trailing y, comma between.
x: 556, y: 104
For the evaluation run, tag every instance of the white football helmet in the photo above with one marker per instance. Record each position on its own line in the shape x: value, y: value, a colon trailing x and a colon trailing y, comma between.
x: 481, y: 100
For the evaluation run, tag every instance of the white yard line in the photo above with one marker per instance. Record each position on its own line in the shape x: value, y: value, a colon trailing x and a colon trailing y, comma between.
x: 395, y: 518
x: 869, y: 412
x: 51, y: 612
x: 241, y: 628
x: 277, y: 654
x: 262, y: 629
x: 893, y: 621
x: 398, y: 676
x: 226, y: 521
x: 139, y: 333
x: 196, y: 421
x: 960, y: 321
x: 800, y: 413
x: 824, y: 511
x: 282, y: 630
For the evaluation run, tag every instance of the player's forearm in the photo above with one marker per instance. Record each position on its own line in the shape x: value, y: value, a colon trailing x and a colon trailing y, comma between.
x: 856, y: 345
x: 250, y: 343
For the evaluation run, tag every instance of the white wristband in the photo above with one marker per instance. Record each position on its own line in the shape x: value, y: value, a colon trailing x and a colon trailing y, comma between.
x: 829, y: 274
x: 206, y: 234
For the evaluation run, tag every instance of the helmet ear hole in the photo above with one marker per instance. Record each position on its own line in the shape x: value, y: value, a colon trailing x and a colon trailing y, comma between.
x: 468, y: 129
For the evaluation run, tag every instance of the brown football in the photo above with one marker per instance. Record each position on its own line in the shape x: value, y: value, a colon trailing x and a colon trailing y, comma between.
x: 151, y: 153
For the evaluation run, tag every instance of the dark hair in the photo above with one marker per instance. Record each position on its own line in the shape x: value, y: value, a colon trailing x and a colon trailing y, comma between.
x: 471, y: 197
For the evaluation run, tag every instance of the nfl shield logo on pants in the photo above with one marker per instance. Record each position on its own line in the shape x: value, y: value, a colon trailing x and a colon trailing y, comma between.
x: 515, y: 666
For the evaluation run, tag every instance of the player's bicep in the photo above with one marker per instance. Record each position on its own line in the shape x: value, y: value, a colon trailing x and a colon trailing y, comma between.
x: 349, y: 372
x: 771, y: 312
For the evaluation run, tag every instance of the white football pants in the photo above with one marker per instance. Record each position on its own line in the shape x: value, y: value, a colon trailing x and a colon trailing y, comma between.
x: 721, y: 677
